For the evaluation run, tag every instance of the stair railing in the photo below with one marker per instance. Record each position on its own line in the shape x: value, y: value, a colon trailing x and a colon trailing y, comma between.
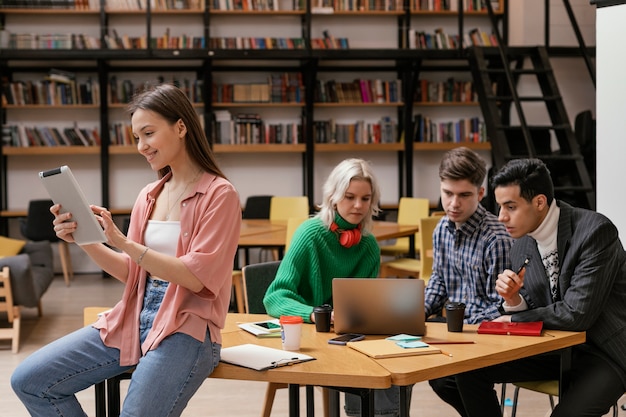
x: 577, y: 32
x: 502, y: 50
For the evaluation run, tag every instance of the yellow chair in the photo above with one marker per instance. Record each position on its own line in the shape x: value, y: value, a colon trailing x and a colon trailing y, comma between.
x: 292, y: 224
x: 550, y: 387
x: 283, y: 208
x: 13, y: 312
x: 417, y: 268
x: 410, y: 211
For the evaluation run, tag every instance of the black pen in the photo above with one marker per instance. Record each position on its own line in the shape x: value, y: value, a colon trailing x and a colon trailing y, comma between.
x: 526, y: 262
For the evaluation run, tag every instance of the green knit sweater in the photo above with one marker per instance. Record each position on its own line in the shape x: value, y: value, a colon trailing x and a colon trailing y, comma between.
x: 314, y: 258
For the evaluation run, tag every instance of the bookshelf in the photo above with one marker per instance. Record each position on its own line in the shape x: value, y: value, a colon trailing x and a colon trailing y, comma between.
x: 208, y: 44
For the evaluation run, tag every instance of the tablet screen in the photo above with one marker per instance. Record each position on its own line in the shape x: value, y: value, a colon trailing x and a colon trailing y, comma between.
x: 64, y: 189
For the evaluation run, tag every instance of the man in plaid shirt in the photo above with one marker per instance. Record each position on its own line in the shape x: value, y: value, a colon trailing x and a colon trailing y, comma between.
x: 470, y: 248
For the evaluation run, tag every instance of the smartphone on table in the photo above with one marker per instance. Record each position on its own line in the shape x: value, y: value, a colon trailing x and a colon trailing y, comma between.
x: 345, y: 338
x: 269, y: 326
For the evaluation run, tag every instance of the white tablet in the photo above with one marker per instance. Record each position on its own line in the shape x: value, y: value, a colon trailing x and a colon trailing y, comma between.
x: 64, y: 189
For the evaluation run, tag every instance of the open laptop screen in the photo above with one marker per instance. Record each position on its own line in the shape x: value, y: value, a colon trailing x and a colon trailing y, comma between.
x: 379, y: 305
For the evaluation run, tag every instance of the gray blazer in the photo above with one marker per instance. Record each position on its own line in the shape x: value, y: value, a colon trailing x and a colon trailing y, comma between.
x: 592, y: 283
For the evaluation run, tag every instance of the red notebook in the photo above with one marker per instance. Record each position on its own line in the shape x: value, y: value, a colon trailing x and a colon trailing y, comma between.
x: 531, y: 328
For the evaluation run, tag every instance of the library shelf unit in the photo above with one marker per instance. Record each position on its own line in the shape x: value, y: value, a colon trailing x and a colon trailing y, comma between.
x: 179, y: 41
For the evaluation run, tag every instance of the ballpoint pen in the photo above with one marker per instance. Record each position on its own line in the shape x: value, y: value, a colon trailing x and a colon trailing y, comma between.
x: 521, y: 268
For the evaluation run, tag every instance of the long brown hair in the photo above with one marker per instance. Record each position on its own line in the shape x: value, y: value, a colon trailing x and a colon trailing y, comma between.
x: 173, y: 105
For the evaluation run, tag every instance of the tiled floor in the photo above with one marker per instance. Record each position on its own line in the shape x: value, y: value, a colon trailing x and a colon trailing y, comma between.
x: 63, y: 312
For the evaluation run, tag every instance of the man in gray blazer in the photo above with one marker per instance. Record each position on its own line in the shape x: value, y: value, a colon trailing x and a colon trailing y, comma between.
x: 574, y: 279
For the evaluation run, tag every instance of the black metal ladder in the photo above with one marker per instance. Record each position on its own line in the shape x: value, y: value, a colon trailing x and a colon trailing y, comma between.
x: 531, y: 121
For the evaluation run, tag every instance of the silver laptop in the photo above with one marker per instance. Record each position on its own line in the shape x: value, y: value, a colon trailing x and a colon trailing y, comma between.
x: 379, y: 305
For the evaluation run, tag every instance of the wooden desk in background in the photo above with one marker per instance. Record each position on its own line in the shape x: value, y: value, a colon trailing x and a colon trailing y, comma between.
x: 272, y: 233
x: 340, y: 366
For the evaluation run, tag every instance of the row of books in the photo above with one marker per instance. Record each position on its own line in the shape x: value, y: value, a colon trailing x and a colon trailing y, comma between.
x: 452, y: 5
x: 51, y: 4
x: 50, y: 92
x: 249, y: 128
x: 441, y: 40
x: 122, y: 91
x: 448, y: 91
x: 462, y: 131
x: 329, y: 42
x: 320, y: 6
x: 360, y: 132
x: 53, y: 41
x: 33, y: 136
x: 417, y: 40
x: 240, y: 42
x: 257, y: 5
x: 84, y: 41
x: 121, y: 134
x: 155, y: 4
x: 331, y: 6
x: 358, y: 91
x: 279, y: 89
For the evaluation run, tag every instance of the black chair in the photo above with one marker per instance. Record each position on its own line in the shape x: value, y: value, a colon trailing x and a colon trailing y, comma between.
x: 257, y: 207
x: 256, y: 279
x: 37, y: 226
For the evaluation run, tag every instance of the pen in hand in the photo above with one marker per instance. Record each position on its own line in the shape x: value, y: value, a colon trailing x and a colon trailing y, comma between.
x: 521, y: 268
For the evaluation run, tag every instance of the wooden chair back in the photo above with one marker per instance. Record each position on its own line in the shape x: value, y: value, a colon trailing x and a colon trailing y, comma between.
x: 13, y: 312
x: 427, y: 227
x: 410, y: 211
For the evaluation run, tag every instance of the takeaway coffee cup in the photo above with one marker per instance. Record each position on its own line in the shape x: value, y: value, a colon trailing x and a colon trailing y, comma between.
x: 291, y: 332
x: 455, y: 312
x: 322, y: 317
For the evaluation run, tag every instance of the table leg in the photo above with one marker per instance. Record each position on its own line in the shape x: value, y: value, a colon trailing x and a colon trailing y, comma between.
x: 367, y: 403
x: 310, y: 401
x: 566, y: 368
x: 294, y: 400
x: 412, y: 253
x: 404, y: 406
x: 333, y: 403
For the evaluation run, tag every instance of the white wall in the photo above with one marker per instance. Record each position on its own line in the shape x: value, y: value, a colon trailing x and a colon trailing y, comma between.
x: 611, y: 123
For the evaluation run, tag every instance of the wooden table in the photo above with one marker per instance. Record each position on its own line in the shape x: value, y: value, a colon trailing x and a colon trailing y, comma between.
x: 340, y: 366
x: 486, y: 351
x: 272, y: 233
x: 335, y: 366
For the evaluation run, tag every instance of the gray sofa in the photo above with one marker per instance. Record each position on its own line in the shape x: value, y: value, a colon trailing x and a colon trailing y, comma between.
x: 31, y: 273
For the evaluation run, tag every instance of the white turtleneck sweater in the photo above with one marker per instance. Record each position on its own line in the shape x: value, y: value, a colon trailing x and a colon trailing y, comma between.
x: 546, y: 237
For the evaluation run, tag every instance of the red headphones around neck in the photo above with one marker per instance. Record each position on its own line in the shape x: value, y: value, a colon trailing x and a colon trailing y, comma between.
x: 347, y: 238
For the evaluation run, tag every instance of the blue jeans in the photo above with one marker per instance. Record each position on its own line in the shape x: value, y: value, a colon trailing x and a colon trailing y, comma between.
x: 163, y: 381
